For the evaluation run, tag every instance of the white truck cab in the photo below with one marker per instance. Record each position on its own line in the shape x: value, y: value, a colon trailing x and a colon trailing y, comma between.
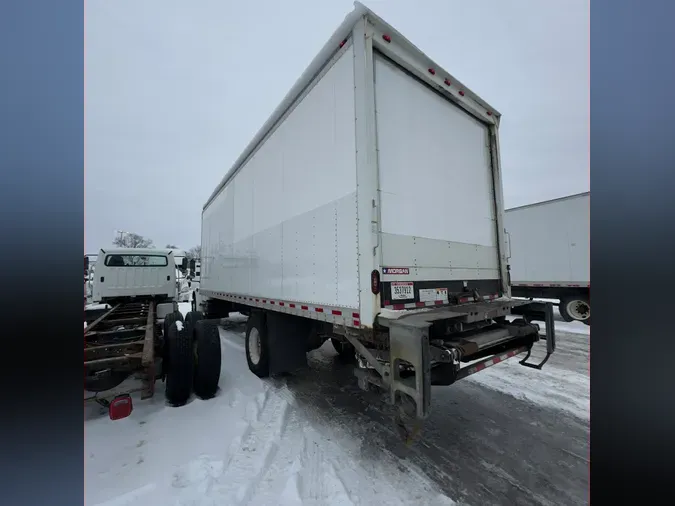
x: 134, y: 272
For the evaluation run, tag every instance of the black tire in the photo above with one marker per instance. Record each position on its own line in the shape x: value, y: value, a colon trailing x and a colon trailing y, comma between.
x: 208, y: 359
x: 580, y: 300
x: 256, y: 324
x: 181, y: 365
x: 345, y: 350
x: 191, y: 320
x: 169, y: 319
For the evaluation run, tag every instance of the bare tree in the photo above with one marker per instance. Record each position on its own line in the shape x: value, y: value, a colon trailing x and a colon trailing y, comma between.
x: 170, y: 246
x: 131, y: 240
x: 194, y: 253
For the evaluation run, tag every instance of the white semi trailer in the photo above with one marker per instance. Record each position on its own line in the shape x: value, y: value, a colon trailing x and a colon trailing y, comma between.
x: 368, y: 210
x: 550, y: 253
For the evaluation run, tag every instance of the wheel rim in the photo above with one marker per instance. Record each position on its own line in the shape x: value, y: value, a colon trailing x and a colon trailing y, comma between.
x: 254, y: 346
x: 579, y: 310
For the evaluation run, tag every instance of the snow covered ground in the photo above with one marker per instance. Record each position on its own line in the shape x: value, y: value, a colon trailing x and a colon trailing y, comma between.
x: 508, y: 435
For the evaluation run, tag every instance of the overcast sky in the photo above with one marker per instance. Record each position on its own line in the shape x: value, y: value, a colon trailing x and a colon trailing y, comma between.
x: 176, y: 89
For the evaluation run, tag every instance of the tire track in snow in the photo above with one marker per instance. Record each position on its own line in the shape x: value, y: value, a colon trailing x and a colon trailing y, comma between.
x: 252, y: 453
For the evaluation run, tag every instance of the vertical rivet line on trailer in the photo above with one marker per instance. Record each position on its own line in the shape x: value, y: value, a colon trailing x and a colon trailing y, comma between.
x: 337, y: 276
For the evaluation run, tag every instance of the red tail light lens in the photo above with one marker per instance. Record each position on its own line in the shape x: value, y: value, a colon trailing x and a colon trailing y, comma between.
x: 387, y: 38
x: 375, y: 282
x: 121, y: 407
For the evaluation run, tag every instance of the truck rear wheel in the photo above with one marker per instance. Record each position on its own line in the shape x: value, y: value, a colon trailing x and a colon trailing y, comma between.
x: 208, y: 359
x: 257, y: 350
x: 576, y: 308
x: 169, y: 319
x: 181, y: 365
x: 191, y: 320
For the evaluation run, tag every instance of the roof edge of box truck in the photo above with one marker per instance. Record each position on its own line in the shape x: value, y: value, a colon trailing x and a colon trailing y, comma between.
x: 335, y: 42
x: 550, y: 201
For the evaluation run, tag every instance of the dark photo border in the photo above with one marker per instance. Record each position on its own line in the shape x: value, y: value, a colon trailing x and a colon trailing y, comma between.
x: 632, y: 249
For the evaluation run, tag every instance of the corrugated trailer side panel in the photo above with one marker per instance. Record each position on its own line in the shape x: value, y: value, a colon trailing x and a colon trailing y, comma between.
x: 550, y: 242
x: 284, y: 226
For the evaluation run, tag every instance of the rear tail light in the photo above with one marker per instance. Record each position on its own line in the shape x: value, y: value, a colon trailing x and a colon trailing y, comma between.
x: 387, y: 38
x: 375, y: 282
x: 120, y: 407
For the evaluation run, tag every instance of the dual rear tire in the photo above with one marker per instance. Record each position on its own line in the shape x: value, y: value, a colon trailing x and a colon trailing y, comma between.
x: 192, y: 358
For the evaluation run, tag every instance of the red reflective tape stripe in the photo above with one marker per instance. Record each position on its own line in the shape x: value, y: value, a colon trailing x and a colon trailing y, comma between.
x: 399, y: 306
x: 356, y: 315
x: 336, y: 312
x: 291, y: 305
x: 281, y: 303
x: 304, y: 307
x: 257, y: 300
x: 496, y: 360
x: 318, y: 309
x: 438, y: 302
x: 272, y: 302
x: 420, y: 304
x: 480, y: 367
x: 264, y: 301
x: 357, y: 322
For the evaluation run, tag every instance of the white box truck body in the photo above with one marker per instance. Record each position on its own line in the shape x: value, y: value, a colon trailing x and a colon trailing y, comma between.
x: 550, y: 253
x: 372, y: 194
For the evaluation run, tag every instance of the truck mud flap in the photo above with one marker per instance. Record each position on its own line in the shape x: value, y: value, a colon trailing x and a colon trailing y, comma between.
x: 538, y: 311
x: 287, y: 341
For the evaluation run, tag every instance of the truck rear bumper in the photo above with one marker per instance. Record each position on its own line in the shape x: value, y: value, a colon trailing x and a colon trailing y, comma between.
x: 418, y: 359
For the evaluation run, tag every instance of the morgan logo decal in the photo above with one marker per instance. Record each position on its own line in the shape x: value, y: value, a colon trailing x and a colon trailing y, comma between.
x: 395, y: 270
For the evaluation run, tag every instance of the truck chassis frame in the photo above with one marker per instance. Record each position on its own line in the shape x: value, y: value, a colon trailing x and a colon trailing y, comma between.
x: 124, y: 336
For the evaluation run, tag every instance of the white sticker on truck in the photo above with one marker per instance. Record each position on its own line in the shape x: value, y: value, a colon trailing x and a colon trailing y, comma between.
x: 402, y: 290
x: 434, y: 294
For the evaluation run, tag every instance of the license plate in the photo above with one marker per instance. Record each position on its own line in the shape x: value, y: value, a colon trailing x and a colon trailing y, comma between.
x: 402, y: 291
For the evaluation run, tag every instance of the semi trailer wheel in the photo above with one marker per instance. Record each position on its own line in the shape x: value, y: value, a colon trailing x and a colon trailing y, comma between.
x: 181, y: 365
x: 576, y: 308
x: 257, y: 351
x: 207, y: 359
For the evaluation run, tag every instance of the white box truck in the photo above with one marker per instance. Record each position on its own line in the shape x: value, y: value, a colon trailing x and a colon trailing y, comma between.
x: 550, y: 253
x: 368, y: 210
